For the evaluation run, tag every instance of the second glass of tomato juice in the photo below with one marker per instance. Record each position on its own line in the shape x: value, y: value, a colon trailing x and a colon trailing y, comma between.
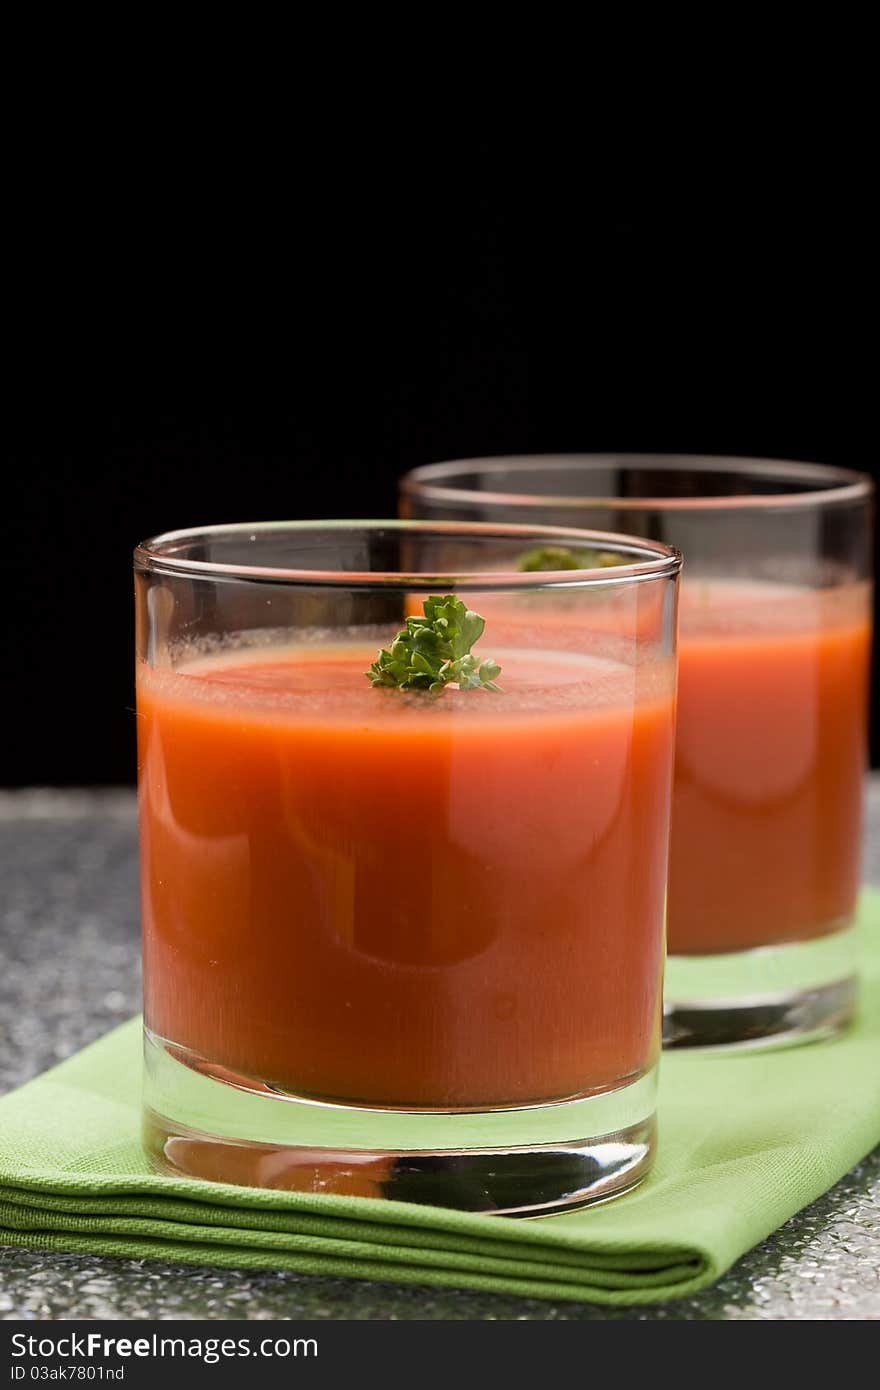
x: 775, y: 633
x: 404, y: 863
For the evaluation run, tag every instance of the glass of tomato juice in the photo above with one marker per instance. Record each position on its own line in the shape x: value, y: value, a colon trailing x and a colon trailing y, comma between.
x: 774, y: 651
x: 404, y: 836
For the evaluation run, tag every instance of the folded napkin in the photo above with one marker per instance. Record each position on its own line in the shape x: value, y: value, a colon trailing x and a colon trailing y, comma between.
x: 745, y: 1141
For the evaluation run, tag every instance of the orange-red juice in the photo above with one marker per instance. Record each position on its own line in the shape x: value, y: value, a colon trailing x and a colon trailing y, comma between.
x: 770, y: 753
x: 359, y: 894
x: 770, y: 749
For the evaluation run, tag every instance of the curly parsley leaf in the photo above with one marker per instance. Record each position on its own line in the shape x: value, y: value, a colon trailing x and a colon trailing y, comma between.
x: 434, y: 651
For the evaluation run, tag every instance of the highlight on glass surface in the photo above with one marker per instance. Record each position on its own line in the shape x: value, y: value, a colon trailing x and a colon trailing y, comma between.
x: 775, y: 632
x: 404, y: 829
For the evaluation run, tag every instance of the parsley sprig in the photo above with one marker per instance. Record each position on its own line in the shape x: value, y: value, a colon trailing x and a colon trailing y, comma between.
x: 434, y: 651
x: 558, y: 557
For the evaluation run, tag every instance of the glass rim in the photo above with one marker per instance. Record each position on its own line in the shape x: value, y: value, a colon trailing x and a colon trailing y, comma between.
x: 156, y: 556
x: 832, y: 485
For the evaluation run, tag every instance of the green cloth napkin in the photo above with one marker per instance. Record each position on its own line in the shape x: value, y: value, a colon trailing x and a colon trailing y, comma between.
x: 745, y: 1141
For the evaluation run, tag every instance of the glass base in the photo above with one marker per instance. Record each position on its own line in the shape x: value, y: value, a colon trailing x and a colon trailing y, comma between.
x: 772, y: 996
x: 523, y: 1161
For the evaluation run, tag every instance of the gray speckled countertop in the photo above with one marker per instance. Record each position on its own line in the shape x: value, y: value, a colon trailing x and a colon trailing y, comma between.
x: 69, y: 952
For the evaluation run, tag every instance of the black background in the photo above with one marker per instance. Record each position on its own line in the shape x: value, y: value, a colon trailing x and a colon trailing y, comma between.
x: 179, y: 362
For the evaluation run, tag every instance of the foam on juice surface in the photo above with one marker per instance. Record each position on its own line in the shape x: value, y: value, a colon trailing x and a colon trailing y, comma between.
x: 328, y: 680
x: 716, y: 607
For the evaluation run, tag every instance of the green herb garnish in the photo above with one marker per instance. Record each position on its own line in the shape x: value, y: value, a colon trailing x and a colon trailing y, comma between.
x: 435, y: 651
x: 557, y: 557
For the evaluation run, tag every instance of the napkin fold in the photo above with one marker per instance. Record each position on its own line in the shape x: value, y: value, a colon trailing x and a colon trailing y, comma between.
x: 746, y: 1140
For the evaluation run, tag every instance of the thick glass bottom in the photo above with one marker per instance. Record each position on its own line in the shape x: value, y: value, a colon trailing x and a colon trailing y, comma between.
x: 772, y: 996
x: 526, y: 1161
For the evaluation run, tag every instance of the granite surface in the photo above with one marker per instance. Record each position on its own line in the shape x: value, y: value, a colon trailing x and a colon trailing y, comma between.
x: 69, y: 971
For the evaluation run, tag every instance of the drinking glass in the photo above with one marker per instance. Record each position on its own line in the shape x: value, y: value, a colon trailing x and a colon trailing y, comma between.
x: 775, y: 631
x: 403, y: 922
